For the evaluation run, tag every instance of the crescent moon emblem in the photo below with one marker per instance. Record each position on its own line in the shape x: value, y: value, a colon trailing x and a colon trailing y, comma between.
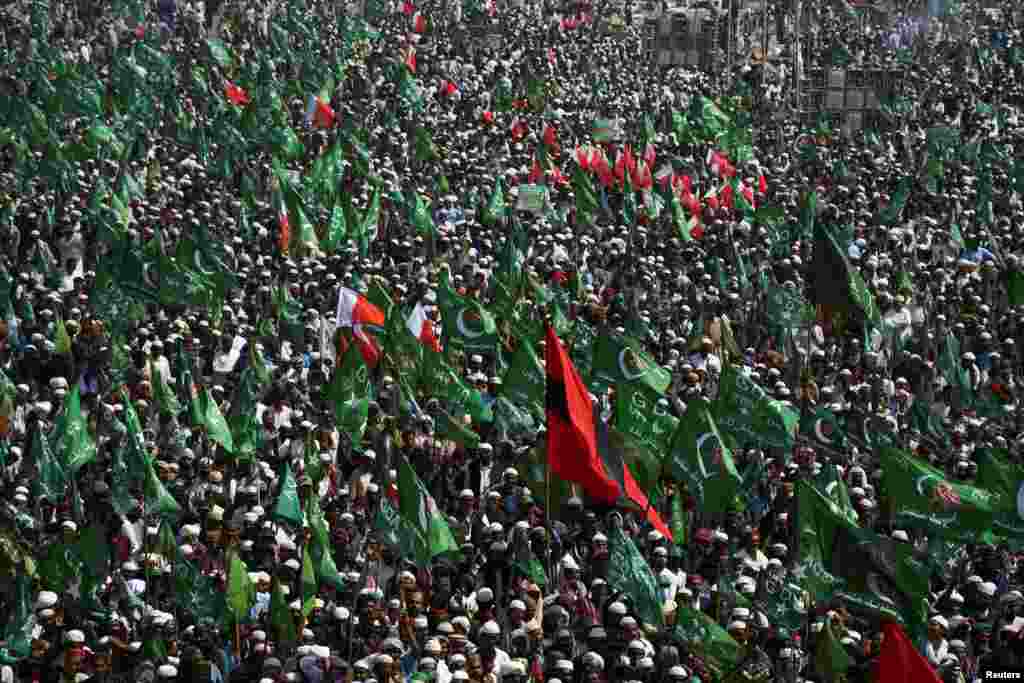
x: 464, y: 330
x: 628, y: 372
x: 197, y: 262
x: 700, y: 447
x: 818, y: 425
x: 919, y: 484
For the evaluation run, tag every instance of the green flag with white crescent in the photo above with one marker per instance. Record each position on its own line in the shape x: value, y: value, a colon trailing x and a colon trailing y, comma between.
x: 702, y: 459
x: 467, y: 324
x: 620, y: 359
x: 923, y: 497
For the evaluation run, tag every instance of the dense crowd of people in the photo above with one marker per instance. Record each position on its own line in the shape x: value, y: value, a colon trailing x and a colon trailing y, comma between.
x: 283, y: 284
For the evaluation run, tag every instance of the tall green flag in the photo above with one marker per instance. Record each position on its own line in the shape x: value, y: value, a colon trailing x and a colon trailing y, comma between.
x: 216, y: 426
x: 421, y: 218
x: 921, y: 496
x: 73, y: 441
x: 241, y: 593
x: 158, y: 499
x: 703, y: 460
x: 367, y: 229
x: 417, y: 507
x: 164, y: 398
x: 619, y: 359
x: 748, y: 415
x: 51, y: 480
x: 281, y: 620
x: 496, y: 208
x: 309, y: 582
x: 891, y: 213
x: 629, y: 572
x: 288, y: 506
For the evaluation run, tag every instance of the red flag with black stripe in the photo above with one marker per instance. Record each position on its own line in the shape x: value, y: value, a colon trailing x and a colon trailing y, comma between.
x: 572, y: 439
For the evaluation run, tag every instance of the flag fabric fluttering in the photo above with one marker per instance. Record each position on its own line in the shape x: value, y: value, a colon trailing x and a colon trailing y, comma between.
x: 572, y: 436
x: 355, y: 309
x: 421, y: 327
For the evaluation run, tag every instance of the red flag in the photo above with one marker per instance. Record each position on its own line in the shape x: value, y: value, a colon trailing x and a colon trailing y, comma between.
x: 748, y: 193
x: 557, y: 178
x: 140, y: 31
x: 583, y: 158
x: 549, y: 135
x: 900, y: 662
x: 637, y: 495
x: 551, y: 56
x: 630, y: 159
x: 323, y: 115
x: 408, y: 9
x: 448, y: 88
x: 368, y: 347
x: 762, y: 184
x: 236, y: 94
x: 727, y: 198
x: 697, y: 231
x: 642, y: 179
x: 488, y: 118
x: 355, y: 310
x: 410, y: 60
x: 571, y: 437
x: 419, y: 24
x: 284, y: 238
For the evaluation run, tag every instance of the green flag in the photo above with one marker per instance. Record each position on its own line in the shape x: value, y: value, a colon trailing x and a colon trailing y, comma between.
x: 212, y: 419
x: 164, y: 398
x: 281, y: 620
x: 891, y: 213
x: 467, y: 324
x: 835, y: 282
x: 838, y: 559
x: 287, y: 506
x: 496, y: 208
x: 707, y: 639
x: 421, y: 218
x: 644, y: 417
x: 831, y: 660
x: 241, y: 594
x: 524, y: 381
x: 73, y: 441
x: 702, y: 459
x: 619, y: 359
x: 1005, y: 480
x: 629, y: 572
x: 922, y: 496
x: 417, y: 507
x: 747, y: 414
x: 51, y: 480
